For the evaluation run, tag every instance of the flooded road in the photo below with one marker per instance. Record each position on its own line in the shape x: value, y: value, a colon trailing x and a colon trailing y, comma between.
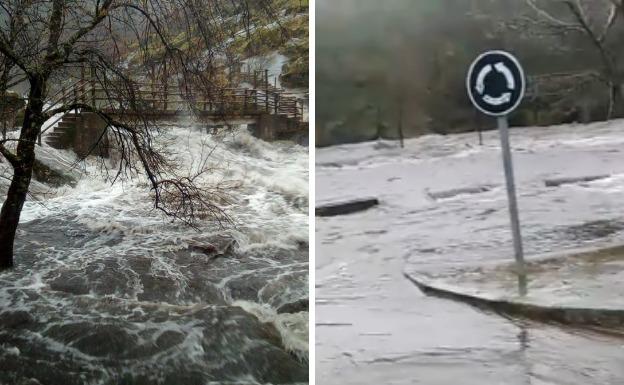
x: 375, y: 327
x: 108, y: 291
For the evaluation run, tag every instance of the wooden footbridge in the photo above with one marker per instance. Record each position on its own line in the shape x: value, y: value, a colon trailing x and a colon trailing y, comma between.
x: 269, y: 112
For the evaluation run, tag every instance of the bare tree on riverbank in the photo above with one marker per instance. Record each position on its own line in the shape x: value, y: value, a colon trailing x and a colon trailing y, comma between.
x: 42, y: 39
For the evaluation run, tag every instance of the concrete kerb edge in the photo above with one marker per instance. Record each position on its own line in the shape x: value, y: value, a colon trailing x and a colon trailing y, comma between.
x: 595, y: 318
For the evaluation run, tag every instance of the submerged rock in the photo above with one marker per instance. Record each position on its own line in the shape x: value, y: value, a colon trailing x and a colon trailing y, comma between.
x: 217, y: 247
x: 294, y: 307
x: 15, y: 319
x: 71, y: 281
x: 49, y: 176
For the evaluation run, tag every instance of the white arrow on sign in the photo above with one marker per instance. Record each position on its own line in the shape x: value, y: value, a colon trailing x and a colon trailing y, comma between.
x: 480, y: 86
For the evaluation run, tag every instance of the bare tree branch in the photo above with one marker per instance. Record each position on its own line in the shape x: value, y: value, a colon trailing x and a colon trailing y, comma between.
x: 613, y: 15
x: 12, y: 158
x: 548, y: 16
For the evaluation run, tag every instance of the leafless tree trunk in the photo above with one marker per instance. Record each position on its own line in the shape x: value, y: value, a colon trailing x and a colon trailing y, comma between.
x: 45, y: 39
x: 401, y: 101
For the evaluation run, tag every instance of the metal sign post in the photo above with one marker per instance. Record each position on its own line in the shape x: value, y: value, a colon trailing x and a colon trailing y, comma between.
x: 503, y: 129
x: 496, y: 86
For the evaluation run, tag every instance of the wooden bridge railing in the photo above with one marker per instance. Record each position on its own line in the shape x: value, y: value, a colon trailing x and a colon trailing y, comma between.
x: 165, y: 98
x: 225, y: 101
x: 259, y: 79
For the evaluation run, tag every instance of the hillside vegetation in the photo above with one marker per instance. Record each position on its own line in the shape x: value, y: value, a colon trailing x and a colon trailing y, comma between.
x: 243, y: 32
x: 375, y: 59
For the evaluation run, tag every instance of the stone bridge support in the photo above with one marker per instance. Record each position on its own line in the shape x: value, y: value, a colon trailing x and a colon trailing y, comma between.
x: 279, y: 127
x: 90, y: 129
x: 81, y: 132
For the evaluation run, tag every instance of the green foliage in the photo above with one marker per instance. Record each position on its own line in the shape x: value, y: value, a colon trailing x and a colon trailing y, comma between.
x: 297, y: 27
x: 294, y: 6
x: 295, y: 73
x: 287, y: 35
x: 260, y: 41
x: 271, y: 37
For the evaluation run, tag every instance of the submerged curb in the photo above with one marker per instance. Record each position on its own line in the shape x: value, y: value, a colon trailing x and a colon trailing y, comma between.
x: 345, y: 208
x: 583, y: 179
x: 595, y: 318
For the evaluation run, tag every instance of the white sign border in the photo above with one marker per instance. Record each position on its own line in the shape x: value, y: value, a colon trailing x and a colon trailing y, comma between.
x: 522, y: 77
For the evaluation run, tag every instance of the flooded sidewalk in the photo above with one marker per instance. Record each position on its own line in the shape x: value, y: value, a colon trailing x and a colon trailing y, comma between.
x: 375, y: 326
x: 581, y: 288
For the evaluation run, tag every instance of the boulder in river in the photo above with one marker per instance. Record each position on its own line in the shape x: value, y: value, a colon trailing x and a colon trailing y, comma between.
x: 46, y: 174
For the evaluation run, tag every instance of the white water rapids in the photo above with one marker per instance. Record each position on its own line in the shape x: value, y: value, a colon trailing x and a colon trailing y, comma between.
x: 108, y: 290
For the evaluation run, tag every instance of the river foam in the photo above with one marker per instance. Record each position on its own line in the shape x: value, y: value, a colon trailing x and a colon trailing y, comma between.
x: 105, y: 282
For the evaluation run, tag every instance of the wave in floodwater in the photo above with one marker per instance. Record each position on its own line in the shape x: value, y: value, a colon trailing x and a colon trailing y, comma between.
x: 108, y: 290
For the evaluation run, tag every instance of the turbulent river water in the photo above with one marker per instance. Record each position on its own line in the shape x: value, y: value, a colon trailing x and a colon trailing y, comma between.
x: 443, y: 204
x: 108, y: 291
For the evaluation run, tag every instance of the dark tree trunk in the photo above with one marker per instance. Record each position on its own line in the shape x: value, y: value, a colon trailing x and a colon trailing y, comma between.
x: 616, y: 109
x: 378, y: 123
x: 4, y: 80
x: 16, y: 196
x: 401, y: 137
x: 10, y: 215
